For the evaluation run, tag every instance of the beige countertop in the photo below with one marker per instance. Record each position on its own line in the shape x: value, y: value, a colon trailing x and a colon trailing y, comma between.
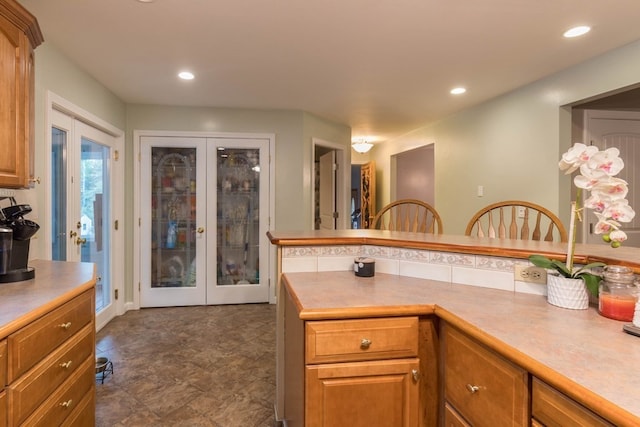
x: 585, y: 355
x: 54, y: 282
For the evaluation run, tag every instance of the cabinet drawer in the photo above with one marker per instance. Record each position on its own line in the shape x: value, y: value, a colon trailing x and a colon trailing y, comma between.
x: 66, y: 398
x: 3, y: 409
x: 84, y: 414
x: 362, y: 339
x: 452, y: 418
x: 32, y: 388
x: 486, y: 389
x: 3, y: 363
x: 32, y: 343
x: 552, y: 408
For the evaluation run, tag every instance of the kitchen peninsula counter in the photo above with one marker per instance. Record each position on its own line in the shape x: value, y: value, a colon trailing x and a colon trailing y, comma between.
x: 584, y: 355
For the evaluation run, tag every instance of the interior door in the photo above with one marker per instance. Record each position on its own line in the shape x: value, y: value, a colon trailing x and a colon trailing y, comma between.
x: 238, y: 188
x: 173, y: 221
x: 83, y: 204
x: 607, y: 129
x: 327, y: 190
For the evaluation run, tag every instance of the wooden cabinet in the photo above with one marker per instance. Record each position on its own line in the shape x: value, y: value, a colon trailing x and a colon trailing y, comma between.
x: 377, y: 381
x: 51, y: 366
x: 19, y: 35
x: 481, y: 387
x: 352, y: 372
x: 551, y: 408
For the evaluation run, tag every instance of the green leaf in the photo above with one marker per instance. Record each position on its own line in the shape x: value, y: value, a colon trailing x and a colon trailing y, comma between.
x: 540, y: 261
x: 561, y: 268
x: 591, y: 281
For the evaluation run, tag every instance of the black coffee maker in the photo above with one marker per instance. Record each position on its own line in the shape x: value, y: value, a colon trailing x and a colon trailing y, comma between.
x: 15, y: 236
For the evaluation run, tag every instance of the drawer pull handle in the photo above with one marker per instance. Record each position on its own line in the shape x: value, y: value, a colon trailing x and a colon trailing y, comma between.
x: 472, y: 388
x: 66, y: 404
x: 65, y: 325
x: 415, y: 374
x: 66, y: 365
x: 365, y: 343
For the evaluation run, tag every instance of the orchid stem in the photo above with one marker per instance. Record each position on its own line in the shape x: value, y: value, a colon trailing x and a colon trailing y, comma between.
x: 572, y: 231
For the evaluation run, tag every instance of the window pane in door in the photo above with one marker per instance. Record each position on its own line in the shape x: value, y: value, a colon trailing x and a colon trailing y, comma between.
x: 59, y: 194
x: 238, y: 216
x: 95, y: 237
x: 173, y: 215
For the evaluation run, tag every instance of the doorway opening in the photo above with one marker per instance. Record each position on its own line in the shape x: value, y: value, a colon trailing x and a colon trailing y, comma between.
x: 330, y: 189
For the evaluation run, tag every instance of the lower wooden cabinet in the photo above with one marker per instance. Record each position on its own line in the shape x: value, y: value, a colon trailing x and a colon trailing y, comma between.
x: 51, y: 367
x: 551, y: 408
x: 362, y: 394
x: 481, y: 386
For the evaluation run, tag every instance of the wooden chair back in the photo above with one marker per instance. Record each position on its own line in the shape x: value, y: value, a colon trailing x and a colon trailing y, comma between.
x: 408, y: 215
x: 517, y: 219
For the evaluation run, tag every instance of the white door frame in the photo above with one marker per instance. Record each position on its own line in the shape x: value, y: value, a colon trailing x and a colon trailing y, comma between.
x: 57, y: 103
x: 137, y: 134
x: 343, y: 183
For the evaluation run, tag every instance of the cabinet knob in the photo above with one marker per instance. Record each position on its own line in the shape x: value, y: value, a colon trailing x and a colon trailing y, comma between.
x: 66, y: 404
x: 415, y: 374
x: 65, y: 325
x: 200, y: 230
x: 365, y: 343
x: 66, y: 365
x: 472, y: 388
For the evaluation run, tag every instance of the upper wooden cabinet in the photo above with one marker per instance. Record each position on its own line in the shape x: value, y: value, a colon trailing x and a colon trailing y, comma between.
x: 19, y: 36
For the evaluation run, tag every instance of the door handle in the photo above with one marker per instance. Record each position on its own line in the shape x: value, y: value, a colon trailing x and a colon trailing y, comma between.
x: 72, y: 234
x: 200, y: 230
x: 81, y: 241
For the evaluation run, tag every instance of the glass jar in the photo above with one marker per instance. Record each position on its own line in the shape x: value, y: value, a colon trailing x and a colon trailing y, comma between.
x: 617, y: 293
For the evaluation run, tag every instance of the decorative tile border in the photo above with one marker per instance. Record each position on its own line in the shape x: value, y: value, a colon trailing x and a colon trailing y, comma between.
x: 472, y: 270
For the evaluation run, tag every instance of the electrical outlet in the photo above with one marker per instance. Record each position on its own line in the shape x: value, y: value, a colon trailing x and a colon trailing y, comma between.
x: 531, y: 274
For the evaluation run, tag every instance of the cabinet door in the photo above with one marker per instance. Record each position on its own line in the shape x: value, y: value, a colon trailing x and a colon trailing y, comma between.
x: 362, y: 394
x: 14, y: 113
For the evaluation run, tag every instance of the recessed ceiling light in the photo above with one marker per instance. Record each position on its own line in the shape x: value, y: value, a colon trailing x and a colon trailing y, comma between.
x: 145, y: 1
x: 186, y: 75
x: 458, y: 91
x: 577, y: 31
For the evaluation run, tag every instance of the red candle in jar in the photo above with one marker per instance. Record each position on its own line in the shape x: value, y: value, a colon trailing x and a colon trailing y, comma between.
x: 618, y: 307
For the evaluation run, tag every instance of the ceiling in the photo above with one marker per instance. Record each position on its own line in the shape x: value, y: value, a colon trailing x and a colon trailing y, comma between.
x: 382, y: 67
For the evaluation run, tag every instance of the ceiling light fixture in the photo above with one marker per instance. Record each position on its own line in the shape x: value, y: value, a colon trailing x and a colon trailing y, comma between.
x: 577, y: 31
x: 361, y: 146
x: 186, y: 75
x: 458, y: 91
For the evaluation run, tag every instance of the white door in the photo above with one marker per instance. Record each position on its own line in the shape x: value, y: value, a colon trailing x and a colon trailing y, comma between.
x: 327, y: 196
x: 607, y: 129
x: 85, y: 224
x: 238, y: 194
x: 173, y: 221
x: 204, y: 214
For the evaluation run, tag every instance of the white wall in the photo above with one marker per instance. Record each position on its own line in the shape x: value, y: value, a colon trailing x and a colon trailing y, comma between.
x: 511, y: 144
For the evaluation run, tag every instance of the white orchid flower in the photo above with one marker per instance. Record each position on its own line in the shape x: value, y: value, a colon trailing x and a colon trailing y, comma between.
x: 619, y: 210
x: 577, y: 155
x: 612, y: 188
x: 618, y: 236
x: 607, y: 161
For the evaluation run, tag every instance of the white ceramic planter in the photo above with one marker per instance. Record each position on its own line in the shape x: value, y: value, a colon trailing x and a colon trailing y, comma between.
x: 567, y: 293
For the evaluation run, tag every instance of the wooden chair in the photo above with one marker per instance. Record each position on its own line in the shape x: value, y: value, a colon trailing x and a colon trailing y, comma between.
x: 408, y: 215
x: 494, y: 220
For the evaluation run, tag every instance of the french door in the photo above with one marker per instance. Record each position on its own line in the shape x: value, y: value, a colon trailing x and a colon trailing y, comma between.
x: 204, y: 213
x: 83, y: 220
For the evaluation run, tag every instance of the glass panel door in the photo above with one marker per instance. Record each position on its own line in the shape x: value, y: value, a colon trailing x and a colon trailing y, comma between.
x: 82, y: 202
x: 239, y: 246
x: 172, y: 243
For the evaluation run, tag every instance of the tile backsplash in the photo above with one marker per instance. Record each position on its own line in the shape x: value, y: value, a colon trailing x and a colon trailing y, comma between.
x: 465, y: 269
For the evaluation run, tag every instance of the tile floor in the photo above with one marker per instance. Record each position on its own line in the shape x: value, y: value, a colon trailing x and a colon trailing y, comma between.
x: 189, y: 366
